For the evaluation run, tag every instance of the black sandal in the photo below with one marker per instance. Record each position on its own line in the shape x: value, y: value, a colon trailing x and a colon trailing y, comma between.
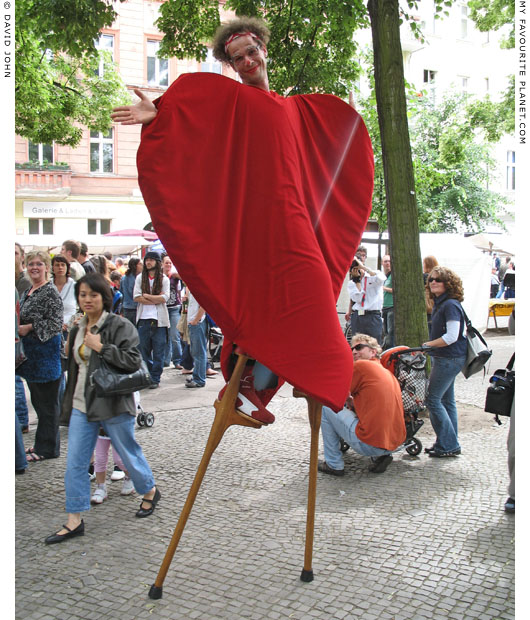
x: 145, y: 512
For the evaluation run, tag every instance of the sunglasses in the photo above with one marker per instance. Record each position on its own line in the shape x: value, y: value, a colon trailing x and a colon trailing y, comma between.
x: 360, y: 347
x: 439, y: 280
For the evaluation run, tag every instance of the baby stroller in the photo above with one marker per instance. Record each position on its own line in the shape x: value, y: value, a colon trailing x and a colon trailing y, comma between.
x: 142, y: 418
x: 215, y: 341
x: 409, y: 368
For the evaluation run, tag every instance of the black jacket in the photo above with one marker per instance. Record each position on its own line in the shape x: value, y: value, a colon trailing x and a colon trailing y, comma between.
x: 120, y: 349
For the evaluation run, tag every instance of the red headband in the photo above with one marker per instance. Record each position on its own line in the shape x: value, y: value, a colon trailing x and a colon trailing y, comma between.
x: 236, y: 35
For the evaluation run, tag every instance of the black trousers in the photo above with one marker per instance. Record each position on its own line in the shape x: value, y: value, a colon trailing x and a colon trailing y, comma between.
x: 45, y: 400
x: 370, y: 324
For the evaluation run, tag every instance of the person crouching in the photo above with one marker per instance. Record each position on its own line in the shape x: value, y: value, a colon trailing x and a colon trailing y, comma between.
x: 372, y: 421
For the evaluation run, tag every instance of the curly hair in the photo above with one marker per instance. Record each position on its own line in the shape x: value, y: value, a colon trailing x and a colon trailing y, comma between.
x: 367, y: 340
x: 453, y: 283
x: 241, y: 24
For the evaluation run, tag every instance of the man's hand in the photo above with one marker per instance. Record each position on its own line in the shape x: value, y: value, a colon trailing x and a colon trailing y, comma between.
x: 140, y: 113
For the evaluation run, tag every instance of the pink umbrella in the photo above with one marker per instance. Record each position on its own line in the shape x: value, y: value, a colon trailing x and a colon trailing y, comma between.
x: 133, y: 232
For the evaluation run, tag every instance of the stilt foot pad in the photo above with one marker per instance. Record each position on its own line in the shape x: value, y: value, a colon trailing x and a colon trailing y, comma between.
x: 307, y: 575
x: 155, y: 592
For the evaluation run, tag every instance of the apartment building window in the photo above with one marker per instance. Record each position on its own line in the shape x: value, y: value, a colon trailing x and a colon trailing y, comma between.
x: 464, y: 20
x: 211, y: 65
x: 41, y: 226
x: 101, y: 151
x: 40, y: 152
x: 157, y: 68
x: 510, y: 170
x: 429, y: 76
x: 98, y: 227
x: 105, y: 43
x: 464, y: 84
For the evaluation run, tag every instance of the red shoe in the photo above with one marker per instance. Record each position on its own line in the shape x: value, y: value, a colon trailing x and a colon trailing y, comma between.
x: 248, y: 402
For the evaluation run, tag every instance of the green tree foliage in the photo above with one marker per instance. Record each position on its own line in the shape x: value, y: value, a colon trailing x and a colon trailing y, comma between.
x: 495, y: 118
x: 311, y: 47
x: 493, y: 15
x: 453, y: 165
x: 57, y: 82
x: 453, y: 168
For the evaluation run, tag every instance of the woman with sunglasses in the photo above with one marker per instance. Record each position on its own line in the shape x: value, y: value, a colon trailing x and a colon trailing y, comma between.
x: 449, y: 344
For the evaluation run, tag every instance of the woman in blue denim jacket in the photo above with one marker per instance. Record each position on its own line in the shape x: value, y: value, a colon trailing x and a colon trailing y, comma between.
x: 448, y: 340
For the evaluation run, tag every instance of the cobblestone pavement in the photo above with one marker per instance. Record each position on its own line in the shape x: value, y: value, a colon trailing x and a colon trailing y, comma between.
x: 427, y: 539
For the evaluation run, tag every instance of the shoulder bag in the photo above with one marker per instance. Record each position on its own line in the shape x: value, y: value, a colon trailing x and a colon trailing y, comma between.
x: 108, y: 380
x: 501, y: 392
x: 478, y: 352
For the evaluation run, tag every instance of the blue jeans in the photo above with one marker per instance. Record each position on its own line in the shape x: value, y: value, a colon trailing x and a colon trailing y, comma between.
x: 199, y: 352
x: 21, y: 461
x: 21, y: 404
x: 82, y: 437
x: 441, y: 401
x: 153, y: 341
x: 341, y: 425
x: 174, y: 346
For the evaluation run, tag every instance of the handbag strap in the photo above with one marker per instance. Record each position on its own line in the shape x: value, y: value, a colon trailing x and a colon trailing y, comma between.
x: 511, y: 362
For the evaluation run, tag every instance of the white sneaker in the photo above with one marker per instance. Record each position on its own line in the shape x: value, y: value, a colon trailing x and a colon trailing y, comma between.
x: 117, y: 474
x: 100, y: 494
x: 128, y: 487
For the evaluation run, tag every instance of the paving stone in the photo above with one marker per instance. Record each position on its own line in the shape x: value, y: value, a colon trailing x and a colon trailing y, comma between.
x: 424, y: 541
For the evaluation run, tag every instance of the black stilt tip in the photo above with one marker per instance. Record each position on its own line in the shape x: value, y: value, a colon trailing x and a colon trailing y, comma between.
x: 155, y: 592
x: 307, y: 575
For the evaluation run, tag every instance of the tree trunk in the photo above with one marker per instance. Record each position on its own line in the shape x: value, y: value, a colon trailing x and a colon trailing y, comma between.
x: 409, y: 301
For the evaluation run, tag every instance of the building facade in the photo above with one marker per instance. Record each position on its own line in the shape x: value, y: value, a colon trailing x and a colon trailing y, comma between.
x: 85, y: 192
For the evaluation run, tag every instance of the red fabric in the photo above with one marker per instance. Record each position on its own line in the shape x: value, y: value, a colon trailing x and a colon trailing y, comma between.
x: 261, y: 201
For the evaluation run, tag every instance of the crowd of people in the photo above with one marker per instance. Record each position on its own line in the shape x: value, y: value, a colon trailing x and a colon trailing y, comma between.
x: 72, y: 310
x: 502, y: 278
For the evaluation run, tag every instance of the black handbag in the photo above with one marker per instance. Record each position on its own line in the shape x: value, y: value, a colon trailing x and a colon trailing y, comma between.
x: 501, y: 392
x: 478, y: 352
x: 108, y: 380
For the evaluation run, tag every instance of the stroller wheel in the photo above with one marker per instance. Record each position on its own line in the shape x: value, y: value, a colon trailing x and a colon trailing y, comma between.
x: 415, y: 448
x: 149, y: 419
x: 343, y: 446
x: 140, y: 419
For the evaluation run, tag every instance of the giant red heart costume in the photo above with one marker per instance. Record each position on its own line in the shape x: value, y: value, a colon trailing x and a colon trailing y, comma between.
x: 261, y: 201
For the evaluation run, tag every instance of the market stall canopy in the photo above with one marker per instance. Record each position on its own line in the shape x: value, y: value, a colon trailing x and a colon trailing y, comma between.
x: 501, y: 244
x: 133, y: 232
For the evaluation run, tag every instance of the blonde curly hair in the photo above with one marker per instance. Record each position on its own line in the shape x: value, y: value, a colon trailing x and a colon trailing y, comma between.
x: 241, y: 24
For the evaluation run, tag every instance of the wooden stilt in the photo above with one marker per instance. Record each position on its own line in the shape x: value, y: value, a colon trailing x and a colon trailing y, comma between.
x: 315, y: 415
x: 225, y: 416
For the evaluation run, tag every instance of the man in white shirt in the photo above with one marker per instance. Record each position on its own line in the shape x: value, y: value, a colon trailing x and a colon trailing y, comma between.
x: 151, y: 292
x: 365, y: 289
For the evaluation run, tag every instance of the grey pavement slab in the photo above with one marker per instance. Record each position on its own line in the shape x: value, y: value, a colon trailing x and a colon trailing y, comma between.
x: 426, y: 539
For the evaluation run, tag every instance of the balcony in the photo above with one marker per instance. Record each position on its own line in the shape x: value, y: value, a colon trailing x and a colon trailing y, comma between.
x: 50, y: 181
